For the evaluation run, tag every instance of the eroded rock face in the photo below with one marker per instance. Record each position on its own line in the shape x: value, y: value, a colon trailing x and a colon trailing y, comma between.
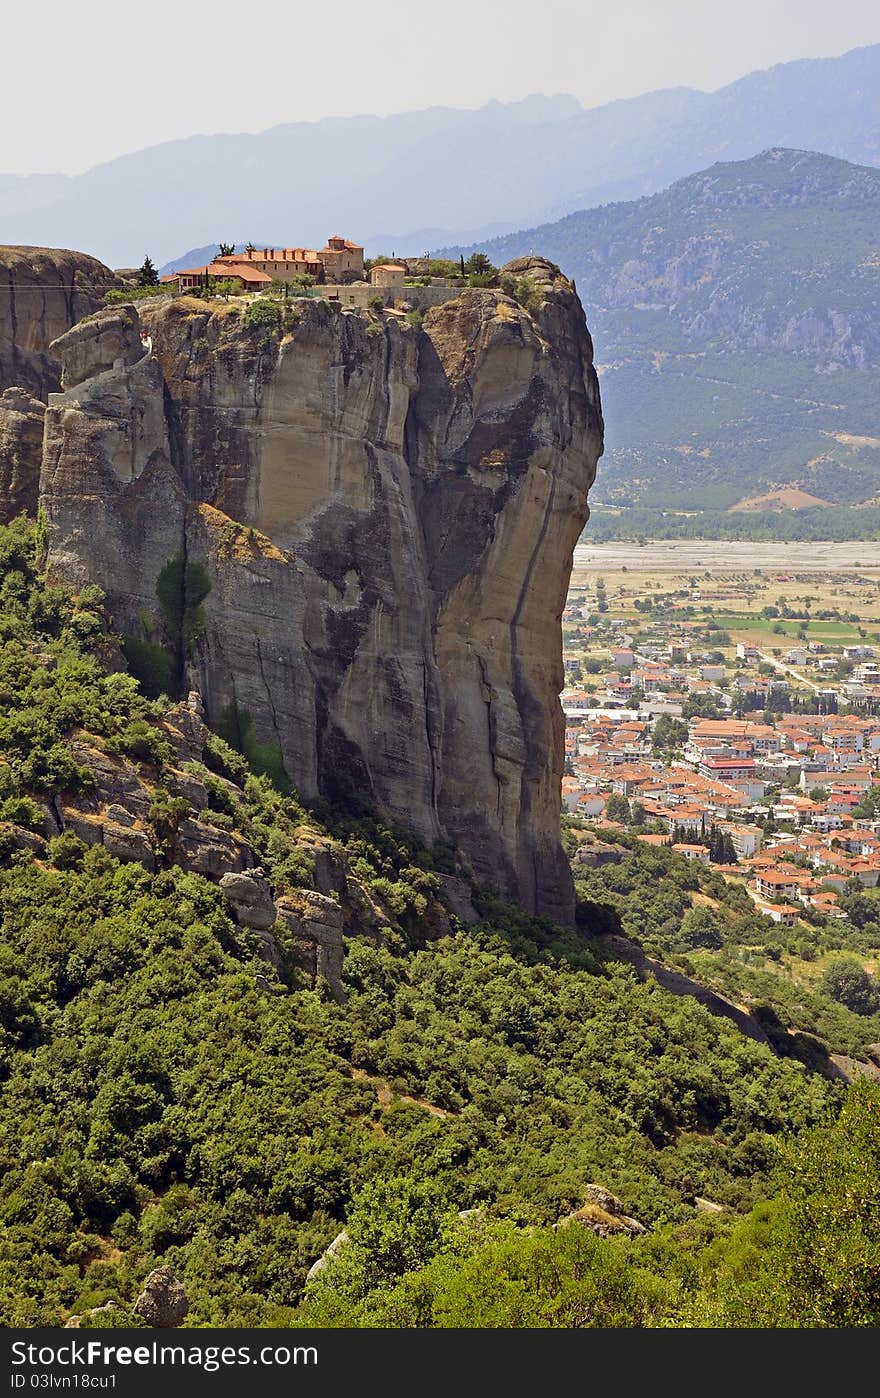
x: 383, y: 520
x: 43, y: 292
x: 21, y: 452
x: 163, y: 1303
x: 315, y: 926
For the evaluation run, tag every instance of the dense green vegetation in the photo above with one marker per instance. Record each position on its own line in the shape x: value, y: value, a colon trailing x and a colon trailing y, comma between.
x: 810, y: 1258
x: 697, y: 921
x: 839, y: 523
x: 167, y: 1096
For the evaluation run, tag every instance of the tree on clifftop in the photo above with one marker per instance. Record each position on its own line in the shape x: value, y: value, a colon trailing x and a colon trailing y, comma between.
x: 148, y: 276
x: 479, y: 270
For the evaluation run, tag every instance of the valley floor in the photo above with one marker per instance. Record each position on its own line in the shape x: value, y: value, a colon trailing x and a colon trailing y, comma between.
x: 721, y: 555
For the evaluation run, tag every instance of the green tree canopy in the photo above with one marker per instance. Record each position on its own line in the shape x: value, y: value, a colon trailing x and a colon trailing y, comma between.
x: 147, y: 274
x: 846, y: 981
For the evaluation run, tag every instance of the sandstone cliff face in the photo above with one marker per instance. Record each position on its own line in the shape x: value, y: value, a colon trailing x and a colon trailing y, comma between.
x: 21, y: 449
x: 372, y: 529
x: 43, y: 292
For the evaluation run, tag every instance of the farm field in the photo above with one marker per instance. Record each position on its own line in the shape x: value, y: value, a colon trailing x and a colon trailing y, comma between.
x: 723, y: 556
x: 842, y: 631
x: 733, y: 584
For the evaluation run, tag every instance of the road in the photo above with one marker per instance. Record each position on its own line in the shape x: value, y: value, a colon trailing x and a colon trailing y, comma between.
x: 787, y: 669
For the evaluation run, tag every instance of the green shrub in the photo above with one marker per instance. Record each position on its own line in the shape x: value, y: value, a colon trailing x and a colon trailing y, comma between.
x: 263, y: 319
x: 142, y: 741
x: 236, y: 727
x: 23, y: 811
x: 529, y: 295
x: 66, y: 851
x: 220, y: 798
x: 222, y: 758
x: 134, y: 293
x: 151, y: 665
x: 181, y: 587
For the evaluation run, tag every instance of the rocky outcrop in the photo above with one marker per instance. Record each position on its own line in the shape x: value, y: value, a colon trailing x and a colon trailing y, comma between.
x: 251, y: 899
x: 163, y: 1303
x: 677, y: 983
x: 43, y: 292
x: 314, y: 924
x: 457, y: 897
x: 323, y: 1262
x: 593, y: 853
x: 370, y: 530
x: 113, y: 808
x: 603, y: 1213
x: 74, y: 1322
x: 21, y: 452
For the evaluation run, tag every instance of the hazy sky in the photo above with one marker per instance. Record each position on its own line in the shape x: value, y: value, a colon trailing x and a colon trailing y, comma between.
x: 86, y: 81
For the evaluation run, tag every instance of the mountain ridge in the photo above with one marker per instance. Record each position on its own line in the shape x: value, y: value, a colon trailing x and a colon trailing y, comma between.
x: 736, y: 317
x: 371, y: 175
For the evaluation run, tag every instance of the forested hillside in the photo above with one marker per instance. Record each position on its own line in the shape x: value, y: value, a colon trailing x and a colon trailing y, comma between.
x: 171, y: 1095
x: 736, y: 317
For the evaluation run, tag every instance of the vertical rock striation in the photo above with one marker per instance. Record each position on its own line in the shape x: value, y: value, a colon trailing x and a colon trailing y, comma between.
x: 21, y: 450
x: 43, y: 292
x: 371, y: 529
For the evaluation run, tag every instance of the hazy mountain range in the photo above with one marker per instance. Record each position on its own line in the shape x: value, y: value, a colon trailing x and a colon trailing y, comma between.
x: 418, y: 179
x: 736, y: 317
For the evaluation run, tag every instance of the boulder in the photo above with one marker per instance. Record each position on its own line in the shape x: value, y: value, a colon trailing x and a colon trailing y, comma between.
x: 456, y: 894
x: 185, y: 727
x: 116, y: 783
x: 26, y: 839
x: 163, y: 1303
x: 208, y: 850
x: 330, y: 865
x: 317, y: 1267
x: 51, y: 822
x: 602, y: 1213
x: 190, y: 787
x: 593, y: 854
x: 108, y: 340
x: 315, y: 924
x: 129, y: 845
x: 251, y: 899
x: 361, y: 911
x: 88, y: 826
x: 267, y: 949
x: 437, y: 922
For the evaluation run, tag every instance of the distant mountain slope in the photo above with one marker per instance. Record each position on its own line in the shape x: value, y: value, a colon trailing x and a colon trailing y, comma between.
x: 198, y: 257
x: 502, y: 167
x: 22, y: 193
x: 736, y: 317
